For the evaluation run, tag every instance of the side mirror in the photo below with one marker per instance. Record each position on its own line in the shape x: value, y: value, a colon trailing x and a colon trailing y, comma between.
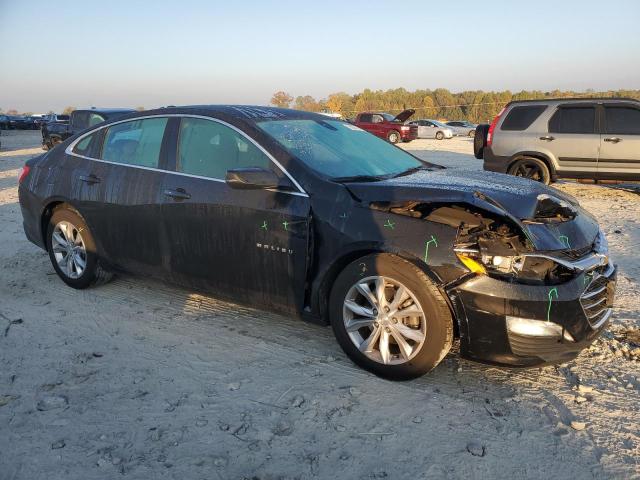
x: 251, y: 178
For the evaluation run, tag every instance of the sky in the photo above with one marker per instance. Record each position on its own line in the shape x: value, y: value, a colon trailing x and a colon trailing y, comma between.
x: 126, y: 53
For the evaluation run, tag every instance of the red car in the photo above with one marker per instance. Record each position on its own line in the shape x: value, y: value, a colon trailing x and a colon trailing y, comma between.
x: 385, y: 125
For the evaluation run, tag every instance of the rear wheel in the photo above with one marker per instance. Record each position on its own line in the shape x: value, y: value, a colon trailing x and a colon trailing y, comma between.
x: 472, y: 133
x: 480, y: 140
x: 439, y: 135
x: 393, y: 136
x: 72, y: 250
x: 532, y: 168
x: 389, y: 318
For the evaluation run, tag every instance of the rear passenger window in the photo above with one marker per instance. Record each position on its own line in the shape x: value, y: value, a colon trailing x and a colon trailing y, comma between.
x: 208, y: 149
x: 573, y: 120
x: 85, y: 146
x: 366, y: 117
x: 622, y: 120
x: 136, y: 142
x: 521, y: 118
x: 79, y: 120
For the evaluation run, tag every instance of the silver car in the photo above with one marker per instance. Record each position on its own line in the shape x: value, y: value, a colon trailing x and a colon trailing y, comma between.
x: 462, y: 128
x: 594, y: 138
x: 432, y: 129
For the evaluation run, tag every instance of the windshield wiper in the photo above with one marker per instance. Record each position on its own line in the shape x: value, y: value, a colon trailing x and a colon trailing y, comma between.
x: 360, y: 178
x: 411, y: 170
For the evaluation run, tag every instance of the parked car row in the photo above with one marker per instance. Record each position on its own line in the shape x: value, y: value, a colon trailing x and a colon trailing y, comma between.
x: 396, y: 128
x: 19, y: 122
x: 544, y: 140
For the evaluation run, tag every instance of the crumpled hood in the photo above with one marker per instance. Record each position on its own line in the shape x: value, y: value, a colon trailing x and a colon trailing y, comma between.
x: 518, y: 197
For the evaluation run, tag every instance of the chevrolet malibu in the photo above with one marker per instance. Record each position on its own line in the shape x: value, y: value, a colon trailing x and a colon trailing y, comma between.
x: 305, y: 215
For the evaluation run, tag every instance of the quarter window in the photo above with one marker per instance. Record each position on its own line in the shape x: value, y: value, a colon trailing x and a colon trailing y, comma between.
x: 622, y: 120
x: 84, y: 146
x: 521, y: 118
x: 136, y: 142
x: 573, y: 120
x: 208, y: 149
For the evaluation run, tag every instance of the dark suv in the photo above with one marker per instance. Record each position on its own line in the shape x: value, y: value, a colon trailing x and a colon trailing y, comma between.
x: 564, y: 138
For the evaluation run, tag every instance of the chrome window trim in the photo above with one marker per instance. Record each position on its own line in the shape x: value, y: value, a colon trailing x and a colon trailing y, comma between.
x: 69, y: 151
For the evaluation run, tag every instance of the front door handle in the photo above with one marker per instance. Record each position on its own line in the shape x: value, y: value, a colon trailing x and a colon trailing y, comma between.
x: 90, y: 179
x: 613, y: 139
x: 548, y: 138
x: 178, y: 194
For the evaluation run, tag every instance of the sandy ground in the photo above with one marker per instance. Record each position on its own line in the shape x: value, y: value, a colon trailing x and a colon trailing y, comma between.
x: 138, y: 379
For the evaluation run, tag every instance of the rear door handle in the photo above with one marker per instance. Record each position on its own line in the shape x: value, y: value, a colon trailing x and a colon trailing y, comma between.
x: 90, y: 179
x: 613, y: 139
x: 548, y: 138
x: 178, y: 194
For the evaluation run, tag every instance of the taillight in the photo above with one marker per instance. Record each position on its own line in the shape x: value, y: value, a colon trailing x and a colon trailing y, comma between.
x: 492, y: 127
x: 24, y: 171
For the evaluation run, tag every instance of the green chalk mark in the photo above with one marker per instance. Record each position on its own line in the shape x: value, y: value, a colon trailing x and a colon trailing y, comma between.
x: 285, y: 224
x: 550, y: 295
x: 264, y: 225
x: 426, y: 247
x: 389, y: 224
x: 565, y: 241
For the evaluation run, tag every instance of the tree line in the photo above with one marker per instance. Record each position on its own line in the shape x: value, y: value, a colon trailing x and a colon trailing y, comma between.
x: 474, y: 105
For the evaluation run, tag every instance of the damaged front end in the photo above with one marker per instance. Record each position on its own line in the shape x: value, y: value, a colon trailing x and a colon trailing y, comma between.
x: 529, y: 290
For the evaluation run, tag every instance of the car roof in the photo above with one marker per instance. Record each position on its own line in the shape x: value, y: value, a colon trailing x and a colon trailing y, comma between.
x: 239, y: 113
x: 106, y: 111
x: 574, y: 100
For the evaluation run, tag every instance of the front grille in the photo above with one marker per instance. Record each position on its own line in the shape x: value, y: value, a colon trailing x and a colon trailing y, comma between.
x: 597, y: 299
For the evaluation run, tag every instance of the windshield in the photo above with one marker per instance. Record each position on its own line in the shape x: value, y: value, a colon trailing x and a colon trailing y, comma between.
x: 339, y: 149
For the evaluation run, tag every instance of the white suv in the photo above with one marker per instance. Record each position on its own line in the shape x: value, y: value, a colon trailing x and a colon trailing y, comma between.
x: 595, y: 138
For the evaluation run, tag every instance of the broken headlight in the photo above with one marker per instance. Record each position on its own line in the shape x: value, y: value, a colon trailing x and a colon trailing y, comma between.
x: 520, y: 268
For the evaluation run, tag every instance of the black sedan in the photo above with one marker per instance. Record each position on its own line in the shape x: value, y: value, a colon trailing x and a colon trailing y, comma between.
x: 301, y: 214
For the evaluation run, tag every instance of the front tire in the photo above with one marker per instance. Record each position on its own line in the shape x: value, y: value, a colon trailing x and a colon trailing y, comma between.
x: 389, y: 318
x: 72, y: 250
x: 439, y: 135
x: 393, y: 136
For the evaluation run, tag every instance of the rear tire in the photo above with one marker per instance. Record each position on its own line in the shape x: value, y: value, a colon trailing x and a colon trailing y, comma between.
x: 472, y: 133
x: 439, y: 135
x: 72, y: 250
x: 480, y: 140
x: 393, y: 136
x: 531, y: 168
x: 428, y: 335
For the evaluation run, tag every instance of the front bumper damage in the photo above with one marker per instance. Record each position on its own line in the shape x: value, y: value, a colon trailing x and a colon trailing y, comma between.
x: 526, y: 325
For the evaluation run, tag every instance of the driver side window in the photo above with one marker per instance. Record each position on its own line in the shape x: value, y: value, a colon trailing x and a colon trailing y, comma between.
x: 208, y: 149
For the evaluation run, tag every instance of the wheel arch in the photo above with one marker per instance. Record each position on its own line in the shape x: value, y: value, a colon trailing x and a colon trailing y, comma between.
x: 322, y: 291
x: 533, y: 154
x: 47, y: 212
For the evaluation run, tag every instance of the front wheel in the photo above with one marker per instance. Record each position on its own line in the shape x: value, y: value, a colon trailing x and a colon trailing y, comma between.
x: 72, y: 250
x: 389, y: 318
x: 531, y: 168
x: 393, y: 137
x: 439, y: 135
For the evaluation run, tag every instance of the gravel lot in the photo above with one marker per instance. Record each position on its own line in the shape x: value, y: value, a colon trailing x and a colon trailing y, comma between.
x: 143, y: 380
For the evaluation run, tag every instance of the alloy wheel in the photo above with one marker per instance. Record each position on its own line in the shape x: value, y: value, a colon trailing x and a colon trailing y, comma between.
x: 529, y: 170
x: 69, y: 249
x: 384, y: 320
